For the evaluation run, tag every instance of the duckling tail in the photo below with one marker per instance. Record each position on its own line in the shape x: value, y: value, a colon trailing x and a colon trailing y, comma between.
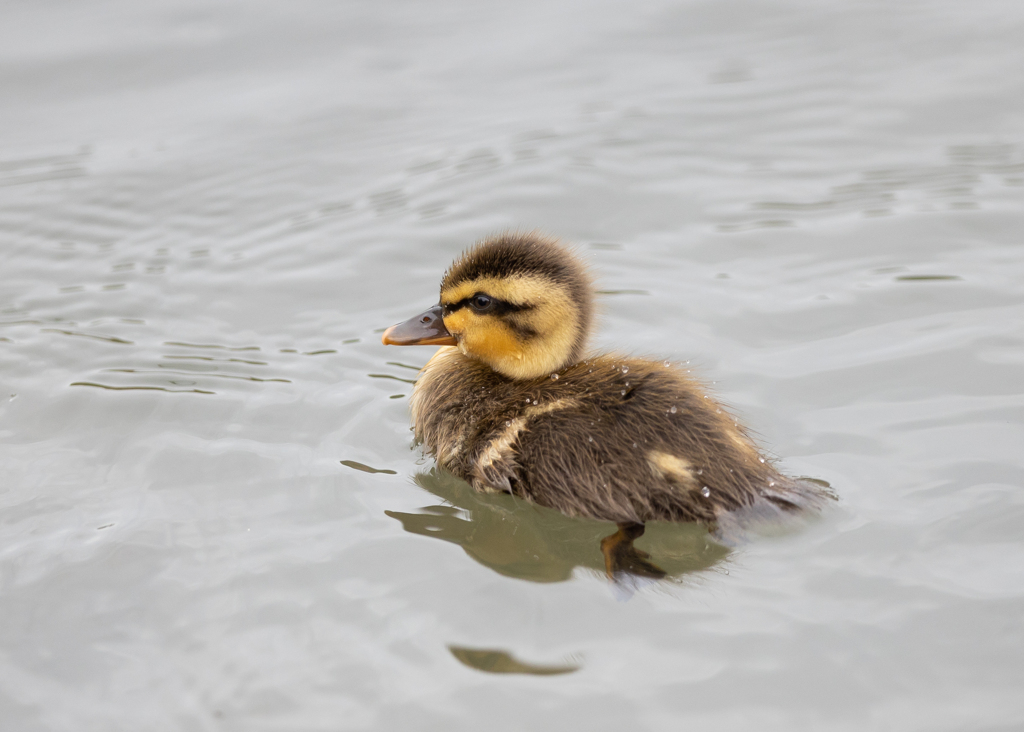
x: 778, y: 508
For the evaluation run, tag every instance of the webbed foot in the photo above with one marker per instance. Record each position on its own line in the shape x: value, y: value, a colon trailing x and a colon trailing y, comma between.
x: 622, y: 558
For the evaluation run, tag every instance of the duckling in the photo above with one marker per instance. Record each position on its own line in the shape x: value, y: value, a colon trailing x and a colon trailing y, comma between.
x: 513, y: 403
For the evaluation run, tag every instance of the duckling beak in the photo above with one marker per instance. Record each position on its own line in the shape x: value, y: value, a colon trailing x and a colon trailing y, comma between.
x: 425, y: 329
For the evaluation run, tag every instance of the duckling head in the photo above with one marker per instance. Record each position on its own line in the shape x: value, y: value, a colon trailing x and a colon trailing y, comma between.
x: 521, y: 303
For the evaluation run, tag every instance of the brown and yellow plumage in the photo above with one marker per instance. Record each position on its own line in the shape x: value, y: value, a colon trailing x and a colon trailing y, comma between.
x: 511, y: 404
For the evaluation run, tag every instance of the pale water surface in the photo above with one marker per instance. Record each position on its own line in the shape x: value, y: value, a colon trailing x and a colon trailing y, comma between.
x: 208, y: 211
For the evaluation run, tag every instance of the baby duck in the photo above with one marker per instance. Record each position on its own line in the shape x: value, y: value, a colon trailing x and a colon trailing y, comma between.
x: 512, y: 404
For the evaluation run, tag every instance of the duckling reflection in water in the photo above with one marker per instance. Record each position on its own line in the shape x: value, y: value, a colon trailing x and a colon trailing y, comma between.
x: 512, y: 404
x: 518, y: 539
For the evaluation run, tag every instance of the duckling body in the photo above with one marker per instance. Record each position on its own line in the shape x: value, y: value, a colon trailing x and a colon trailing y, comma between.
x: 511, y: 404
x: 620, y: 439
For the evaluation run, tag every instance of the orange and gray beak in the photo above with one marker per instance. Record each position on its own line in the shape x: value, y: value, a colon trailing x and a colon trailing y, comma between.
x: 426, y: 329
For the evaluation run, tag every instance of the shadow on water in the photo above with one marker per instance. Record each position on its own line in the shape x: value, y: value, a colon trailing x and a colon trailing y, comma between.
x: 497, y: 661
x: 526, y: 541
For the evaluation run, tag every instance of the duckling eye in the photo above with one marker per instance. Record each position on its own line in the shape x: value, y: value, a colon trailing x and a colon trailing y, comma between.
x: 482, y: 303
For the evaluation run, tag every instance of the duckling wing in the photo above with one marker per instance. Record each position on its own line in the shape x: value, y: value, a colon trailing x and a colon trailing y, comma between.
x: 495, y: 467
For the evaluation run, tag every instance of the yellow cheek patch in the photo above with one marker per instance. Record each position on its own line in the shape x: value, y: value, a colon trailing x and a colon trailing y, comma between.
x: 490, y: 341
x: 457, y: 322
x: 483, y: 336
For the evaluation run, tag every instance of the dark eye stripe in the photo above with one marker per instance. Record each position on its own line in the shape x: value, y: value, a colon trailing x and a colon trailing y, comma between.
x: 498, y: 307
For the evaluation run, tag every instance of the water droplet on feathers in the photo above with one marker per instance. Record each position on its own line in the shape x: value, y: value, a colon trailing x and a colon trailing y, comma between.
x: 705, y: 491
x: 672, y: 410
x: 554, y: 377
